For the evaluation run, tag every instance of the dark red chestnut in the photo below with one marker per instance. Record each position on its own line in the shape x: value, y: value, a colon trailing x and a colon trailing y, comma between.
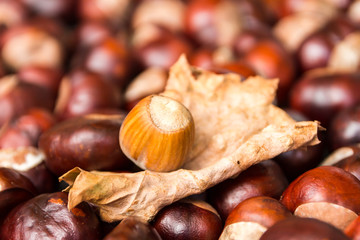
x: 17, y: 97
x: 314, y: 52
x: 271, y: 60
x: 47, y: 217
x: 45, y: 77
x: 60, y: 9
x: 188, y: 220
x: 30, y: 162
x: 303, y: 229
x: 34, y: 44
x: 297, y: 161
x: 15, y: 189
x: 347, y: 158
x: 26, y: 129
x: 345, y: 128
x: 163, y: 50
x: 327, y: 193
x: 263, y: 179
x: 109, y: 12
x: 82, y: 92
x: 133, y: 228
x: 12, y: 13
x: 321, y: 95
x: 91, y: 33
x: 110, y: 59
x: 89, y: 142
x: 252, y: 217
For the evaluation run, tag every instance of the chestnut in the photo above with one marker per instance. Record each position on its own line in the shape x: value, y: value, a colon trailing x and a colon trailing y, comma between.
x: 263, y: 179
x: 82, y: 92
x: 271, y: 60
x: 113, y: 13
x: 163, y: 50
x: 252, y: 217
x: 110, y: 59
x: 133, y: 228
x: 91, y: 33
x: 46, y: 216
x: 345, y: 128
x: 353, y: 230
x: 12, y: 13
x: 75, y: 143
x: 46, y: 77
x: 297, y: 161
x: 169, y: 14
x: 315, y: 50
x: 26, y: 129
x: 303, y: 229
x: 327, y: 193
x: 35, y: 45
x: 58, y: 9
x: 15, y: 189
x: 30, y: 162
x: 347, y: 158
x: 17, y: 97
x: 321, y: 95
x: 188, y: 220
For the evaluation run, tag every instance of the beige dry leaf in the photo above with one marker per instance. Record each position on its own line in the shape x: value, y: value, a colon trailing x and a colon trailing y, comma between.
x: 236, y: 126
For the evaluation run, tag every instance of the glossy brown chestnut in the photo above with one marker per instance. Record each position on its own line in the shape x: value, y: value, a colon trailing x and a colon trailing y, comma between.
x: 271, y: 60
x: 188, y: 220
x: 45, y: 77
x: 303, y: 229
x: 164, y: 50
x: 327, y: 193
x: 47, y: 217
x: 15, y: 189
x: 321, y: 96
x: 35, y: 44
x: 110, y: 59
x: 297, y: 161
x: 345, y: 128
x: 91, y: 33
x: 263, y: 179
x: 17, y: 97
x: 90, y: 142
x: 26, y: 129
x: 314, y: 52
x: 252, y: 217
x: 30, y: 162
x: 60, y: 9
x: 133, y: 228
x: 82, y: 92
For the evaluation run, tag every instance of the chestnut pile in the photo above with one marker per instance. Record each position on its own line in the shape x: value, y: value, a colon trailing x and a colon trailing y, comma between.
x: 71, y: 70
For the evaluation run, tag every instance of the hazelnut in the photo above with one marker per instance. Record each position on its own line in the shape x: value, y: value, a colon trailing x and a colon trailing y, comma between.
x: 158, y: 134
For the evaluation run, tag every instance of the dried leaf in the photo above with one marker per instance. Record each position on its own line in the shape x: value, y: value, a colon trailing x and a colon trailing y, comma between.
x: 236, y: 126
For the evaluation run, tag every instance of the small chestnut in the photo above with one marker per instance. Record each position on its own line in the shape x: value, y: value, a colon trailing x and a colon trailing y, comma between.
x: 15, y: 189
x: 303, y: 229
x: 82, y: 92
x: 252, y: 217
x: 263, y: 179
x: 133, y: 228
x: 75, y: 143
x: 46, y: 216
x: 188, y: 220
